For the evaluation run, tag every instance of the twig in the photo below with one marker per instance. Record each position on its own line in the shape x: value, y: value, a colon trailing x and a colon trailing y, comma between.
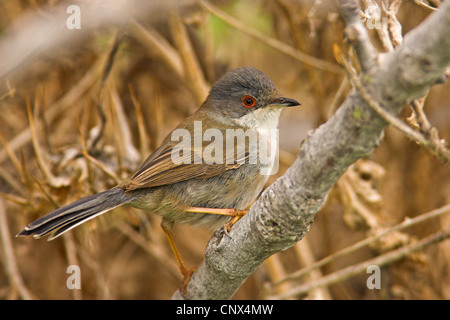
x: 122, y: 129
x: 272, y: 42
x: 210, y: 68
x: 110, y: 57
x: 424, y: 124
x: 10, y: 91
x: 353, y: 270
x: 16, y: 199
x: 119, y: 146
x: 310, y: 16
x: 102, y: 167
x: 315, y: 80
x: 276, y: 271
x: 423, y: 4
x: 143, y: 137
x: 28, y: 183
x: 15, y: 184
x: 10, y: 259
x: 72, y: 259
x: 45, y: 192
x: 356, y: 34
x: 158, y: 46
x: 157, y: 109
x: 12, y: 156
x: 98, y: 164
x: 69, y: 242
x: 421, y: 119
x: 100, y: 128
x: 306, y: 256
x: 390, y: 30
x: 115, y: 43
x: 193, y: 74
x: 395, y: 28
x: 352, y: 200
x: 382, y: 29
x: 49, y: 177
x: 99, y: 272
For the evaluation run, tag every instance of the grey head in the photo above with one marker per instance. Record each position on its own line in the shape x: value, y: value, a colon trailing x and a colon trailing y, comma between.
x: 244, y: 90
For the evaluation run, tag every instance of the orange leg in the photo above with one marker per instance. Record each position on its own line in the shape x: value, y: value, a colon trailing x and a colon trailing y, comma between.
x: 235, y: 213
x: 167, y: 226
x: 185, y: 271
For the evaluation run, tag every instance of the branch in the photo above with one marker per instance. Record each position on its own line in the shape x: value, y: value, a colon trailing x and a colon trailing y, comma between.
x: 435, y: 145
x: 356, y: 34
x: 367, y: 56
x: 284, y: 212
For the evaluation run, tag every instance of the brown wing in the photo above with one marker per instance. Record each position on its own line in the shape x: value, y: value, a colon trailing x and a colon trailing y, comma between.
x: 159, y: 168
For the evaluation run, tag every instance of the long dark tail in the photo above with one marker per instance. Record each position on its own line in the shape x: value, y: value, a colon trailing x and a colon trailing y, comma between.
x: 75, y: 213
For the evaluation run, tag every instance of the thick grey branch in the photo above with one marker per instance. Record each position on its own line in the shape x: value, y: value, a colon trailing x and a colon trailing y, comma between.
x: 286, y: 209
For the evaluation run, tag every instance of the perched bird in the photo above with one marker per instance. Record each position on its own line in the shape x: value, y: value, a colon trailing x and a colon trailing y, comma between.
x: 190, y: 178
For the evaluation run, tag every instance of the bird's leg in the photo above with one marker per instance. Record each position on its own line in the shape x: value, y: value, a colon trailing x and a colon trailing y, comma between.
x: 235, y: 219
x: 185, y: 271
x: 235, y: 213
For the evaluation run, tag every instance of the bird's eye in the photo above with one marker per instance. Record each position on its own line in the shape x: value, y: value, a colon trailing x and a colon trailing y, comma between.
x: 248, y: 101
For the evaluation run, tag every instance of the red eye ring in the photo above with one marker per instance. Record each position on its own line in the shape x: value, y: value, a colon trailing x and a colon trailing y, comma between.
x: 248, y: 101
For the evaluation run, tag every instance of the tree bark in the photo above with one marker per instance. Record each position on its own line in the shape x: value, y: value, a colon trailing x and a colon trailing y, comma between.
x: 286, y: 209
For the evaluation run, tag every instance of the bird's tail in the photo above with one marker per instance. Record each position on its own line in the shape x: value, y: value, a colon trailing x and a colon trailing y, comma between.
x: 65, y: 218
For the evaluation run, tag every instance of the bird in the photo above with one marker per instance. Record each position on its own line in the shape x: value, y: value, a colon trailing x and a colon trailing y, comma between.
x: 206, y: 172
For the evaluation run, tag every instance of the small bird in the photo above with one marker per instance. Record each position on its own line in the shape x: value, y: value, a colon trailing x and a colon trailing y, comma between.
x: 200, y: 182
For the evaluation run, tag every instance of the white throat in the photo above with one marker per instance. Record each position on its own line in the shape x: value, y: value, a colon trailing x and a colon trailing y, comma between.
x: 263, y: 118
x: 265, y: 122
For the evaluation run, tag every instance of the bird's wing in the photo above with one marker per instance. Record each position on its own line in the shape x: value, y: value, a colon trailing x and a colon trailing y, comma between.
x: 161, y: 169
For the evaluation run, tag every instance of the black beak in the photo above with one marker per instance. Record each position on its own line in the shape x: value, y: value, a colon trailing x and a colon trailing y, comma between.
x: 287, y: 102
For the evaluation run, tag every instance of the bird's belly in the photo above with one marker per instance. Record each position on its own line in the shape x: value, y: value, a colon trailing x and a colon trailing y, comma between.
x: 234, y: 189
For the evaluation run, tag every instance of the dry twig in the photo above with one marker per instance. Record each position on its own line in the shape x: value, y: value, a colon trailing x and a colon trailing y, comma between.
x: 192, y: 72
x: 11, y: 263
x: 53, y: 181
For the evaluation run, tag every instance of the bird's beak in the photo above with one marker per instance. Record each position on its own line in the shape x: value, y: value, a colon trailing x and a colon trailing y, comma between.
x: 286, y: 102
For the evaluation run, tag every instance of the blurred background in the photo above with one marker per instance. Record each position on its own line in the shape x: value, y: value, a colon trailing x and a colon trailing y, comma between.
x: 82, y: 108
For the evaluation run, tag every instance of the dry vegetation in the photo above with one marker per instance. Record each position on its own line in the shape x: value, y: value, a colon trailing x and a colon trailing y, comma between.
x: 79, y: 117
